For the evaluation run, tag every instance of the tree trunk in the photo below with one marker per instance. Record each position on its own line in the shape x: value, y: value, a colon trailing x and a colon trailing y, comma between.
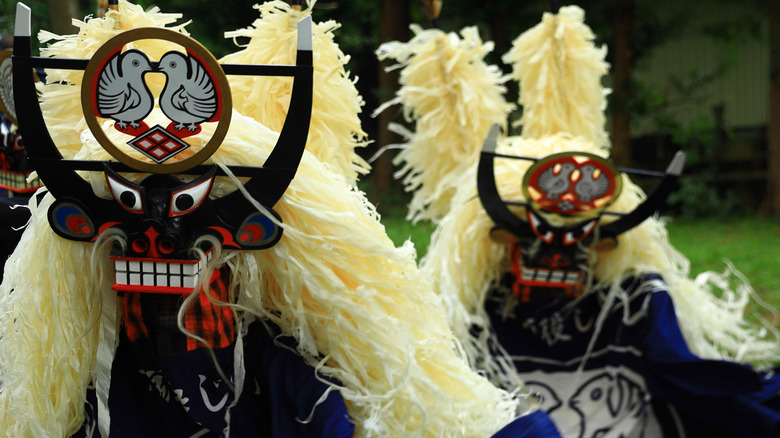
x: 61, y: 13
x: 394, y: 27
x: 623, y: 26
x: 771, y: 203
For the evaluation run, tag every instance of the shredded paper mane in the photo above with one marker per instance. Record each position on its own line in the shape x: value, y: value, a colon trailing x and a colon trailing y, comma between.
x: 452, y: 97
x: 559, y: 70
x: 335, y: 130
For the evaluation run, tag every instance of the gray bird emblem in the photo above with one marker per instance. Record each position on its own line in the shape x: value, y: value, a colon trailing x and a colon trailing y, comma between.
x: 122, y: 94
x: 7, y: 89
x: 189, y: 97
x: 589, y: 187
x: 555, y: 184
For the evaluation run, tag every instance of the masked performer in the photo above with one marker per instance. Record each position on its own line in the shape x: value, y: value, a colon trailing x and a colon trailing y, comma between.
x: 181, y: 289
x: 15, y: 178
x: 558, y: 275
x: 16, y: 181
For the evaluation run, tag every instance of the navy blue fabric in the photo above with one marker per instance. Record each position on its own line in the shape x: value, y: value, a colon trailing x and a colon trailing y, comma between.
x: 534, y: 425
x: 706, y: 397
x: 293, y: 391
x: 183, y: 394
x: 721, y: 397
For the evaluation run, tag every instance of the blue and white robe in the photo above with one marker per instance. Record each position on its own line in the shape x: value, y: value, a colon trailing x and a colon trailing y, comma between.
x: 639, y: 378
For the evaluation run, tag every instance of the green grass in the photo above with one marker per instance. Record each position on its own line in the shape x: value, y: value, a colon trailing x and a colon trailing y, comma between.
x: 751, y: 244
x: 392, y: 206
x: 400, y: 230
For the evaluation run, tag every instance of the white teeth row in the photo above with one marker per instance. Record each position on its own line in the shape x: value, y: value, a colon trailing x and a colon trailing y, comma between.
x: 548, y: 275
x: 18, y: 181
x: 136, y: 279
x: 160, y: 274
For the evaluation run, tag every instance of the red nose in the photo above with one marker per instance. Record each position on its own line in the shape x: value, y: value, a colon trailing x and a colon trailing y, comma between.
x: 555, y: 261
x: 152, y: 245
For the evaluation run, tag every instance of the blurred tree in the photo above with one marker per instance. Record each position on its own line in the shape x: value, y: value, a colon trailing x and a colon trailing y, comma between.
x: 210, y: 20
x: 771, y: 203
x: 623, y: 29
x: 62, y: 12
x: 394, y: 26
x: 53, y: 15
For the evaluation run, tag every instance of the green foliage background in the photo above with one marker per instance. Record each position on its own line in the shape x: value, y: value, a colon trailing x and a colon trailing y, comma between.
x: 501, y: 21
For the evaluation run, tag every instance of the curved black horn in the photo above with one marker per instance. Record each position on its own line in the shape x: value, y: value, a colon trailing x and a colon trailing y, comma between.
x: 39, y: 145
x: 487, y: 189
x: 287, y: 153
x: 653, y: 202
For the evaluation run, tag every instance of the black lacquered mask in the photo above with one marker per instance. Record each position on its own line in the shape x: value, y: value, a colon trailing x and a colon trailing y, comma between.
x: 164, y: 214
x: 575, y: 186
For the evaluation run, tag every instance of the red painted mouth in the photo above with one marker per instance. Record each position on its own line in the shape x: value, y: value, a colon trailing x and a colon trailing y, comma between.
x: 17, y: 182
x: 549, y: 277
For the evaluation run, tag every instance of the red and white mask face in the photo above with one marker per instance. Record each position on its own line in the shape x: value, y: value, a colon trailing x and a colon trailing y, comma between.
x: 163, y: 220
x: 553, y: 258
x: 160, y: 254
x: 569, y: 185
x: 14, y: 167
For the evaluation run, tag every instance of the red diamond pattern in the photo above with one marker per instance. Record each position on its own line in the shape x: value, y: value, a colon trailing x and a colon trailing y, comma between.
x: 158, y: 144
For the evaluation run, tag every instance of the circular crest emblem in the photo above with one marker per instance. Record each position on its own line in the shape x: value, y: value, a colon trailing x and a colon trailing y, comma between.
x: 7, y: 86
x: 572, y: 183
x: 158, y: 129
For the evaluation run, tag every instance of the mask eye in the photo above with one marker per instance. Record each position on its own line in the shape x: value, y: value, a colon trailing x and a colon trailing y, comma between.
x: 127, y: 194
x: 580, y: 232
x: 18, y: 143
x: 540, y: 228
x: 189, y: 197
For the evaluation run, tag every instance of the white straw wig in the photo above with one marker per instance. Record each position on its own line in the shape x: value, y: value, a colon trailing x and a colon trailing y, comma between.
x: 453, y: 97
x: 335, y: 130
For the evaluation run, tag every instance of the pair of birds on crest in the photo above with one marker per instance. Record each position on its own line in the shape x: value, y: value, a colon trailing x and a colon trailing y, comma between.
x: 188, y: 98
x: 590, y: 184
